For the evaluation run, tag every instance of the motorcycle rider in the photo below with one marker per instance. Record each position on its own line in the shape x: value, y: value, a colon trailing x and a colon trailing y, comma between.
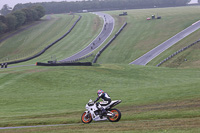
x: 106, y: 100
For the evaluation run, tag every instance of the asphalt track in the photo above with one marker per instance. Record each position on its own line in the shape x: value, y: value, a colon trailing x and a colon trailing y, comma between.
x: 146, y: 58
x: 107, y: 29
x: 98, y: 41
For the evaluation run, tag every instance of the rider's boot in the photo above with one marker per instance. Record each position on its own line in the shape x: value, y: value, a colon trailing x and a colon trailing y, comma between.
x: 104, y: 113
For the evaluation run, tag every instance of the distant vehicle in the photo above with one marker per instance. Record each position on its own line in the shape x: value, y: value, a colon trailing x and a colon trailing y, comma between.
x: 84, y: 11
x: 123, y: 14
x: 153, y: 17
x: 148, y: 18
x: 159, y: 17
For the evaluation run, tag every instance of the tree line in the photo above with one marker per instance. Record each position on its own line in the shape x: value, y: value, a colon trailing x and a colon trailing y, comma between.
x: 11, y: 20
x: 94, y: 5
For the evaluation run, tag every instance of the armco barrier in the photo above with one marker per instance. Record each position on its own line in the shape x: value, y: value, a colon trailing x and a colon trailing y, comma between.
x: 82, y: 58
x: 177, y: 52
x: 41, y: 52
x: 101, y: 51
x: 65, y: 64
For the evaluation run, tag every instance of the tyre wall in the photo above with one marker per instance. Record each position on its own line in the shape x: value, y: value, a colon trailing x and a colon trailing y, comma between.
x: 65, y: 64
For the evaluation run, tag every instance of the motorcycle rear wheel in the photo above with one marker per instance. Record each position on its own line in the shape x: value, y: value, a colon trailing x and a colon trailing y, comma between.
x: 86, y: 119
x: 117, y: 116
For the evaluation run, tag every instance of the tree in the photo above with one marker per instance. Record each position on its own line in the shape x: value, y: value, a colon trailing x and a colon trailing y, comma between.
x: 29, y: 14
x: 3, y: 27
x: 5, y: 10
x: 35, y: 14
x: 40, y: 11
x: 11, y: 22
x: 21, y: 17
x: 2, y: 18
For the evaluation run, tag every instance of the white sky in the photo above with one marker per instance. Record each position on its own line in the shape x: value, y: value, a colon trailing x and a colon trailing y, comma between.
x: 193, y: 1
x: 12, y: 3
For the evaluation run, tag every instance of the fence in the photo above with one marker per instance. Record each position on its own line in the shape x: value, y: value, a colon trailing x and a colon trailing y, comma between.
x: 82, y: 58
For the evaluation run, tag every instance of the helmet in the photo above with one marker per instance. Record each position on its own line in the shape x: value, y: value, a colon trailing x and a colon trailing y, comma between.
x: 99, y: 92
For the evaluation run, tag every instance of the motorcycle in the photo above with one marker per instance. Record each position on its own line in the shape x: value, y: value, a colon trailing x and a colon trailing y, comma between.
x: 93, y: 113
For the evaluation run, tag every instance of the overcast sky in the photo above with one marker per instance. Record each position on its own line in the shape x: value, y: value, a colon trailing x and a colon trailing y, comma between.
x: 12, y: 3
x: 194, y: 1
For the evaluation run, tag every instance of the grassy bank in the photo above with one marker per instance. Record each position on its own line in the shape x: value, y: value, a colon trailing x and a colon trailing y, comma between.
x: 140, y: 35
x: 39, y: 95
x: 33, y: 40
x: 154, y: 99
x: 187, y: 59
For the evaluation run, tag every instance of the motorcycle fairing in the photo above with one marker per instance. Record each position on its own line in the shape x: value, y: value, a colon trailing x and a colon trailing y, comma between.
x: 112, y: 104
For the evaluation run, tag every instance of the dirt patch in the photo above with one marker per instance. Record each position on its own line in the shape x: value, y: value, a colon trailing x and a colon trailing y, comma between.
x: 25, y: 71
x: 187, y: 104
x: 139, y: 126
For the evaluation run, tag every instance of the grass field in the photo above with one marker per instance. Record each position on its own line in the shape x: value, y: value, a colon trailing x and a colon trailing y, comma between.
x: 192, y: 54
x: 33, y: 40
x: 154, y: 100
x: 137, y: 38
x: 140, y: 35
x: 57, y: 95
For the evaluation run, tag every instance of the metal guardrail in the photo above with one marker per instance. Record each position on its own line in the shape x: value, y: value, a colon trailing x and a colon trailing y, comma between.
x: 82, y: 58
x: 177, y: 52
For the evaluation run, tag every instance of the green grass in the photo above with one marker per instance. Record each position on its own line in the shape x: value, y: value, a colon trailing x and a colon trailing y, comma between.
x: 192, y: 54
x: 54, y: 95
x: 121, y: 127
x: 140, y: 35
x: 136, y: 39
x: 157, y: 100
x: 35, y: 39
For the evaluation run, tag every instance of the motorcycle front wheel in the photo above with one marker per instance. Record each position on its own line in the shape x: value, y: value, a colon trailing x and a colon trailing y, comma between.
x: 116, y: 117
x: 86, y: 119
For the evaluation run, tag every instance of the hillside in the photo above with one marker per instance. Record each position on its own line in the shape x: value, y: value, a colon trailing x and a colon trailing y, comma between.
x: 137, y: 38
x: 187, y: 59
x: 33, y: 40
x: 57, y: 95
x: 154, y: 99
x: 140, y: 35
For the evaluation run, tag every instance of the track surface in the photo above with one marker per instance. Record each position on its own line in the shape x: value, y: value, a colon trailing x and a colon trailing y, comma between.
x: 146, y: 58
x: 98, y: 41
